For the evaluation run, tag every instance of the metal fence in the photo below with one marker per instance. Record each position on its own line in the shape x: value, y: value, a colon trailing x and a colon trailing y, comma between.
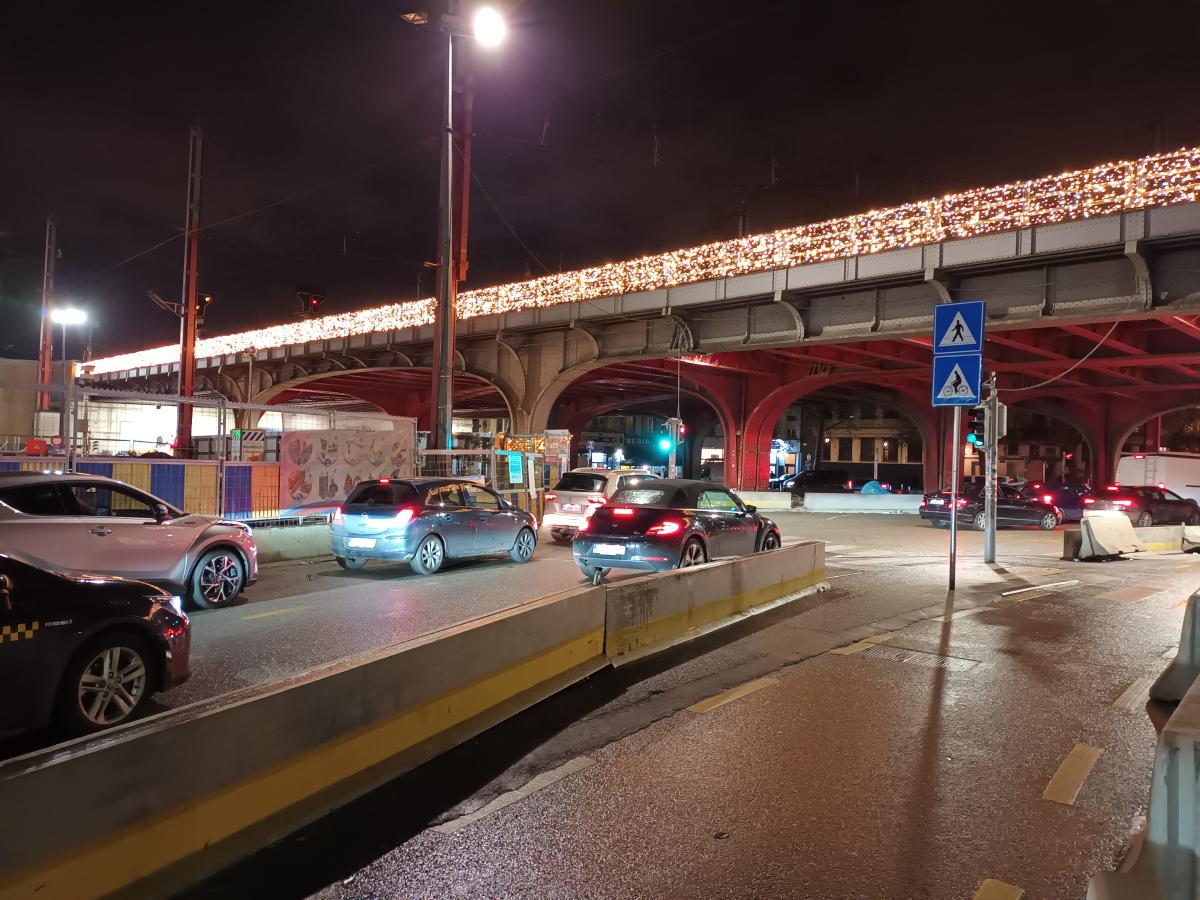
x: 520, y: 477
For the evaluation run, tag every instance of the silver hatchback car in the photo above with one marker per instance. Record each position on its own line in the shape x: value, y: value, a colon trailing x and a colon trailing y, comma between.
x: 91, y: 525
x: 425, y: 521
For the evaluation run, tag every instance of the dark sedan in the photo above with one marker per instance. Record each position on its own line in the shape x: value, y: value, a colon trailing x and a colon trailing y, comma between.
x: 1066, y: 496
x: 1012, y: 509
x: 1146, y: 505
x: 672, y: 523
x: 84, y: 652
x: 425, y: 521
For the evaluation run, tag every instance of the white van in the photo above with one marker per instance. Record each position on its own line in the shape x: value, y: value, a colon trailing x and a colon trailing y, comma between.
x: 1179, y: 472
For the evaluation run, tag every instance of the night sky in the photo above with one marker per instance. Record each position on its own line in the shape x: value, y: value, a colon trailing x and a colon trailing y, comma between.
x: 321, y: 124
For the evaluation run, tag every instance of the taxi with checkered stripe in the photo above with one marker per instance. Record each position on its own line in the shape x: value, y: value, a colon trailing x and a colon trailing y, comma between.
x: 84, y: 652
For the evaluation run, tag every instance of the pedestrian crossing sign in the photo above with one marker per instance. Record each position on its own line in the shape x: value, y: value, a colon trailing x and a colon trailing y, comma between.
x: 958, y: 327
x: 956, y: 380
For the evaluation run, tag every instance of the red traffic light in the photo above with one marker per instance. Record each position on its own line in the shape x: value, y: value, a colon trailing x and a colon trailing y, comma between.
x: 682, y: 428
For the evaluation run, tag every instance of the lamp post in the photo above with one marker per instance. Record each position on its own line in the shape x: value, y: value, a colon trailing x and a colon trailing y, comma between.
x: 489, y: 30
x: 64, y: 316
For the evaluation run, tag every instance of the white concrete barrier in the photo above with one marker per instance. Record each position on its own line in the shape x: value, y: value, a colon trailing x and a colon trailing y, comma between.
x: 1156, y: 538
x: 649, y: 614
x: 1167, y: 866
x: 1190, y: 540
x: 277, y: 543
x: 1106, y: 536
x: 1180, y: 674
x: 863, y: 503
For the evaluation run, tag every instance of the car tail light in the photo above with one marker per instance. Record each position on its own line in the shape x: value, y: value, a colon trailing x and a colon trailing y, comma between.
x: 337, y: 516
x: 1113, y: 487
x: 962, y: 501
x: 849, y: 485
x: 1047, y: 499
x: 666, y: 527
x: 1088, y: 501
x: 1125, y: 503
x: 403, y: 517
x: 597, y: 501
x: 385, y: 481
x: 584, y: 525
x: 1162, y: 485
x: 1139, y: 456
x: 924, y: 503
x: 552, y: 496
x: 623, y: 511
x: 1036, y: 487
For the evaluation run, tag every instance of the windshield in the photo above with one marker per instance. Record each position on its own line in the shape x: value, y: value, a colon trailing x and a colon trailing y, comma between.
x: 581, y: 481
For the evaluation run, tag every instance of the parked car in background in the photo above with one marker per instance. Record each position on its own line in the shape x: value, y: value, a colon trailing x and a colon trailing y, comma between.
x: 1178, y: 472
x: 1012, y: 509
x: 669, y: 524
x: 425, y: 521
x: 581, y: 492
x: 84, y: 652
x: 822, y: 481
x: 1066, y: 496
x: 88, y: 524
x: 1146, y: 504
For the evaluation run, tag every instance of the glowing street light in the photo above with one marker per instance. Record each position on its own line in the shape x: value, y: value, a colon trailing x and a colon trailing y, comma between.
x: 489, y: 27
x: 68, y: 315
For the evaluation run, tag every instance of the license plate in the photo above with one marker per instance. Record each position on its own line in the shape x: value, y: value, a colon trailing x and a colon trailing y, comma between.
x: 572, y: 507
x: 936, y: 502
x: 609, y: 549
x: 362, y: 543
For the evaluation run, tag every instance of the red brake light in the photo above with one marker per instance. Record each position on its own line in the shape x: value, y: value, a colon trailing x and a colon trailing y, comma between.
x: 962, y: 501
x: 584, y: 525
x: 1047, y: 498
x: 1088, y: 501
x: 385, y: 481
x: 337, y: 516
x: 552, y: 496
x: 403, y: 517
x: 1123, y: 502
x: 597, y: 501
x: 1139, y: 456
x: 1113, y: 487
x: 924, y: 503
x: 622, y: 511
x: 669, y: 526
x: 1162, y: 485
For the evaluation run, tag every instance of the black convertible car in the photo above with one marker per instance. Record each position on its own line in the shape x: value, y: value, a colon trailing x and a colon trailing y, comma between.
x: 1012, y: 509
x: 668, y: 524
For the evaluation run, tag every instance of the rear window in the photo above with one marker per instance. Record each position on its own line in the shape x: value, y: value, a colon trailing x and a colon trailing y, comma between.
x: 581, y: 481
x: 373, y: 494
x: 644, y: 496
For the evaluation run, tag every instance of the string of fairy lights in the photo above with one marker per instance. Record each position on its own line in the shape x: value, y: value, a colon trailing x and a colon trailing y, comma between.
x: 1115, y: 187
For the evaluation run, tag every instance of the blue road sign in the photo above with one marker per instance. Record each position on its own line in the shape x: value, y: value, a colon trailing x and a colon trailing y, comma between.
x: 958, y: 327
x: 956, y: 379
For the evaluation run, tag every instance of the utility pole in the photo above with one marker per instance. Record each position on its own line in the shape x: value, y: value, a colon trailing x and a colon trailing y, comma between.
x: 441, y: 435
x: 46, y: 342
x: 189, y: 313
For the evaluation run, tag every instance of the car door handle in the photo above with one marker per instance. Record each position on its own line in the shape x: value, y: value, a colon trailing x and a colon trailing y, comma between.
x: 102, y: 531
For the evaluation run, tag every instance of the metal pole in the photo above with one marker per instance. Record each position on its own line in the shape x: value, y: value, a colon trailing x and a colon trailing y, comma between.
x: 69, y: 414
x: 188, y: 313
x: 64, y: 416
x: 989, y: 501
x: 956, y: 455
x: 221, y: 433
x: 875, y: 473
x: 46, y: 339
x: 441, y: 434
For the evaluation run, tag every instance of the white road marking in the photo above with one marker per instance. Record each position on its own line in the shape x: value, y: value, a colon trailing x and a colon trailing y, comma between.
x: 510, y: 797
x: 1135, y: 697
x: 1039, y: 587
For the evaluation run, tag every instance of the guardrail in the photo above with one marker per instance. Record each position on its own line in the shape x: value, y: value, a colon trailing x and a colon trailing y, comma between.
x: 115, y: 814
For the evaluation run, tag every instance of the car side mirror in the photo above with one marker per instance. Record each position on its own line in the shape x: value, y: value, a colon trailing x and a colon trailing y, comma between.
x: 6, y: 587
x: 750, y: 509
x: 161, y: 513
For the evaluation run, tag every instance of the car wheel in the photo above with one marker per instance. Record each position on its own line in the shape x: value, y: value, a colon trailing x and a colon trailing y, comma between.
x: 217, y: 579
x: 523, y: 546
x: 562, y: 536
x: 1194, y: 519
x: 106, y: 683
x: 1048, y: 522
x: 594, y: 574
x: 350, y: 563
x: 1144, y: 520
x: 770, y: 542
x: 693, y: 554
x: 430, y: 555
x: 979, y: 523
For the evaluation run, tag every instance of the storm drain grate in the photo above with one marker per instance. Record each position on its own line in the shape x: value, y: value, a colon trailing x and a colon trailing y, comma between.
x: 919, y: 658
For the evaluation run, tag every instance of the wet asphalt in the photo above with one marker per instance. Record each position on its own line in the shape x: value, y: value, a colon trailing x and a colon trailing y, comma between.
x: 914, y: 766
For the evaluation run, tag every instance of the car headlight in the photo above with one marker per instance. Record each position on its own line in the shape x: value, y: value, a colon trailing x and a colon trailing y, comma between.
x: 239, y: 525
x: 172, y: 600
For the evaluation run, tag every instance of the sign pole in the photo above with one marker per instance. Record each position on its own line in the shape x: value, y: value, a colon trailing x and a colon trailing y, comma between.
x: 991, y: 438
x: 956, y: 430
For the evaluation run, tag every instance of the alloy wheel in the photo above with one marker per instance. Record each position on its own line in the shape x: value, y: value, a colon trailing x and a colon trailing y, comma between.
x: 431, y: 554
x: 693, y: 555
x: 220, y: 580
x: 525, y: 544
x: 112, y: 685
x: 770, y: 542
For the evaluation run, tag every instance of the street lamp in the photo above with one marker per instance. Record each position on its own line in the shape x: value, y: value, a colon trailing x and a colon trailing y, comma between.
x: 64, y: 316
x: 489, y: 30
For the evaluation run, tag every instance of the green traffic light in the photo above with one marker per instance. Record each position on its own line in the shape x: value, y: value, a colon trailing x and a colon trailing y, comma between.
x: 665, y: 444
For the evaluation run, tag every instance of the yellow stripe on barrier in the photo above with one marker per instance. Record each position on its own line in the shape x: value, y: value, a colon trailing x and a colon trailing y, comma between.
x: 656, y: 631
x: 140, y: 850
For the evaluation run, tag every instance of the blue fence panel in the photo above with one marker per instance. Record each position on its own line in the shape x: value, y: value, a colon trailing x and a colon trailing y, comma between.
x: 166, y: 481
x: 237, y: 490
x: 9, y: 466
x: 96, y: 468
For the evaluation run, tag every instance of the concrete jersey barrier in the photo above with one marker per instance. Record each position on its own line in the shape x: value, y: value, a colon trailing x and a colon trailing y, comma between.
x: 1105, y: 536
x: 1180, y: 674
x: 649, y: 614
x: 862, y: 503
x: 1155, y: 538
x: 120, y: 814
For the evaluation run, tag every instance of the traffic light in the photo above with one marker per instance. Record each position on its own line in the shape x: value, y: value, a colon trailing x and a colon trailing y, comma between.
x: 664, y: 444
x: 310, y: 298
x: 975, y: 427
x: 202, y: 302
x: 682, y: 430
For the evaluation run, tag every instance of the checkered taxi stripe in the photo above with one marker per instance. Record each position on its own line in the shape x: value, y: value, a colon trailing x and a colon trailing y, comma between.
x: 18, y: 631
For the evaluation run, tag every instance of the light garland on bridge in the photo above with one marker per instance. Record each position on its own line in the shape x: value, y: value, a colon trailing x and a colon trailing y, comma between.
x: 1102, y: 190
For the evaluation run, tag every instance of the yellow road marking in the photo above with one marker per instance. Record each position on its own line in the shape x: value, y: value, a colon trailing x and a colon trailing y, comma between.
x: 1135, y: 696
x: 991, y: 889
x: 960, y: 614
x: 1071, y: 774
x: 274, y: 612
x: 860, y: 646
x: 732, y: 694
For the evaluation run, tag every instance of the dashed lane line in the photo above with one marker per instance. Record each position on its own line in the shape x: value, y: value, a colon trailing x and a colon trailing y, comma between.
x: 1135, y: 697
x: 508, y: 798
x: 1072, y: 773
x: 732, y: 694
x: 991, y: 889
